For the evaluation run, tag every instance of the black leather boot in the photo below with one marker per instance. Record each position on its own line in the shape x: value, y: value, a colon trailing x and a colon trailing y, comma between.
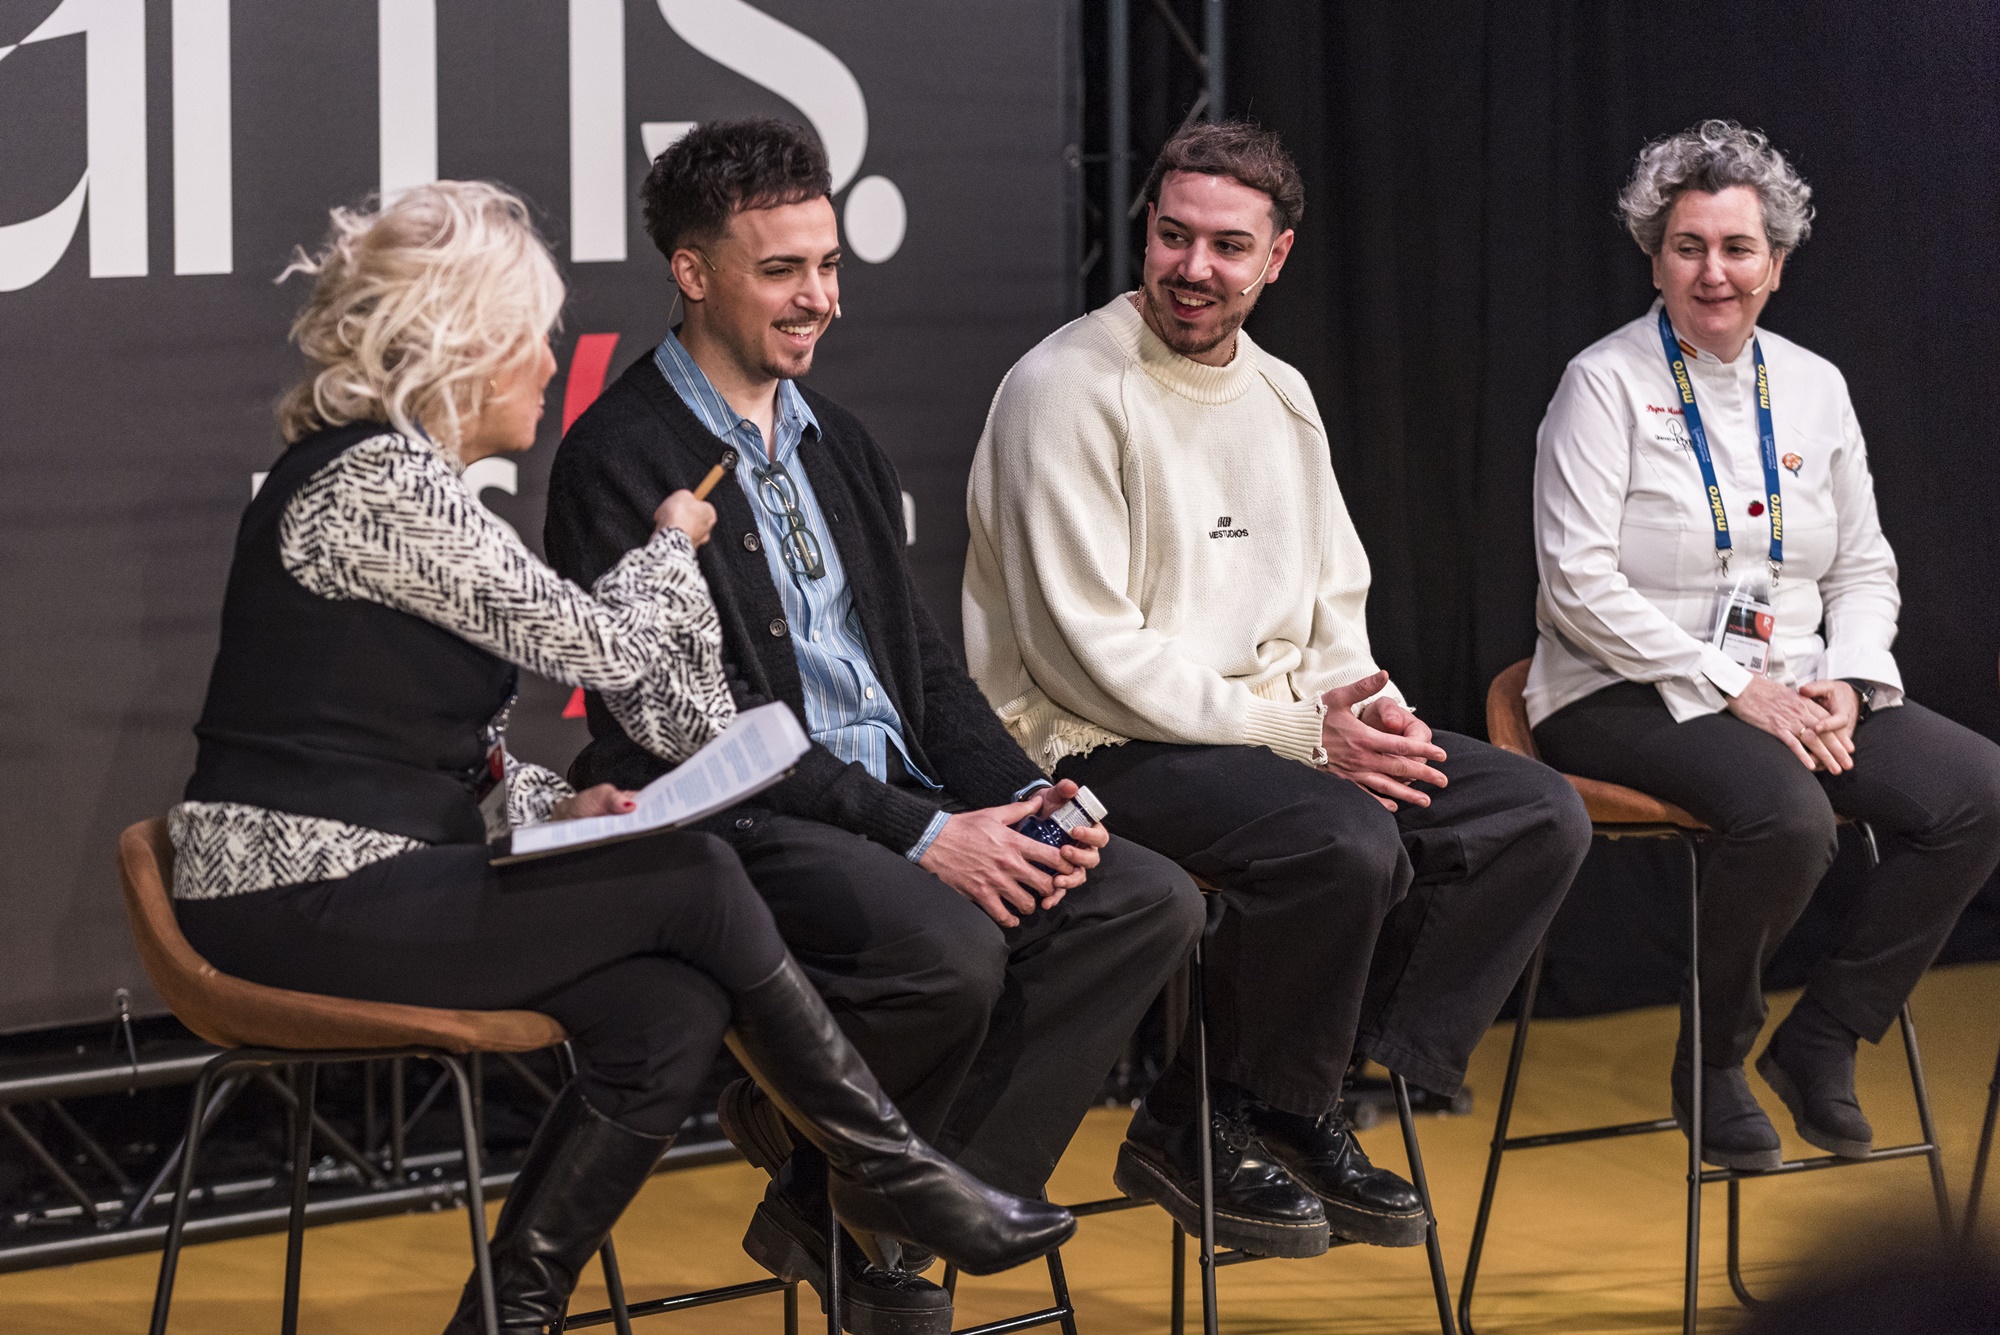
x: 788, y: 1238
x: 1363, y: 1203
x: 884, y: 1179
x: 1810, y: 1063
x: 1259, y: 1208
x: 582, y: 1170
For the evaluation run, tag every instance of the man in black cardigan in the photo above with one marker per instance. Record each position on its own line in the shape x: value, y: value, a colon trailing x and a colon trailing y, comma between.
x: 991, y: 995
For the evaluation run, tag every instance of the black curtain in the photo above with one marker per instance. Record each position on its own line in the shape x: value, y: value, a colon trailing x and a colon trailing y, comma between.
x: 1461, y: 162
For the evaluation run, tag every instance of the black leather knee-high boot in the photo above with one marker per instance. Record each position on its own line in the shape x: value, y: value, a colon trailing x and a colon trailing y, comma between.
x: 885, y: 1178
x: 582, y: 1170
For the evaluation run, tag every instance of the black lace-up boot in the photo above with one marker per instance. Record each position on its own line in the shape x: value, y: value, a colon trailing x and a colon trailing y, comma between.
x: 1363, y: 1203
x: 1258, y: 1207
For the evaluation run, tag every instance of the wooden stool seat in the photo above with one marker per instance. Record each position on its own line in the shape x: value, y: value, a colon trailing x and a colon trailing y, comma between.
x: 233, y: 1013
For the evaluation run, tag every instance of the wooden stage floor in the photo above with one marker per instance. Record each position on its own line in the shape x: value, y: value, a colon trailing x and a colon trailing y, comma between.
x: 1588, y: 1237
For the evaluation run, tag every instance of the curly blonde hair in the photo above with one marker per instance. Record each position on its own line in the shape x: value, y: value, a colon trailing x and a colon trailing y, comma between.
x: 418, y: 305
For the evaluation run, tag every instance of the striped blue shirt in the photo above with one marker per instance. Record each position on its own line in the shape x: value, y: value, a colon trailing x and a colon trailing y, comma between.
x: 847, y: 710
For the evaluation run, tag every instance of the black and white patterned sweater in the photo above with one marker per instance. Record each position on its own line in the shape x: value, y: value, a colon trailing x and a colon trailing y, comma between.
x: 390, y: 521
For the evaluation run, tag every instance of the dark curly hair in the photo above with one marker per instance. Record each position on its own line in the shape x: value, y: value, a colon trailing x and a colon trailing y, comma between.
x: 1240, y: 149
x: 721, y: 167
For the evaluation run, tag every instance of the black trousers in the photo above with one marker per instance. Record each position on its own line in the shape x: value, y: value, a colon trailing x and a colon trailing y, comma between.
x: 1930, y: 789
x: 993, y: 1041
x: 634, y: 948
x: 1345, y: 926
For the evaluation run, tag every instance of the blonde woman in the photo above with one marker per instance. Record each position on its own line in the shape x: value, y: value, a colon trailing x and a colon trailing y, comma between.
x: 352, y: 767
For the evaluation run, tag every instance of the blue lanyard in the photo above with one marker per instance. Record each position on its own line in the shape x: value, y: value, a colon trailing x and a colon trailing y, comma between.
x: 1767, y: 439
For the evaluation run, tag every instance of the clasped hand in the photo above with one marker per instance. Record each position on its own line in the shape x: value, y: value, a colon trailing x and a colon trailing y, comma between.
x: 1385, y: 748
x: 1004, y: 872
x: 1816, y: 721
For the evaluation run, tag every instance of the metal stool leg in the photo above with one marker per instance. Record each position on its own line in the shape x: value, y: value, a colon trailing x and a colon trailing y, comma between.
x: 475, y: 1191
x: 1691, y: 1281
x: 1440, y: 1286
x: 295, y: 1234
x: 1198, y: 982
x: 1177, y: 1304
x: 1530, y: 987
x: 1059, y: 1288
x: 834, y: 1267
x: 163, y: 1289
x: 792, y: 1308
x: 1985, y: 1150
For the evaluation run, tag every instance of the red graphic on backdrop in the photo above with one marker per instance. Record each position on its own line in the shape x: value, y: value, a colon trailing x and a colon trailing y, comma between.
x: 588, y: 366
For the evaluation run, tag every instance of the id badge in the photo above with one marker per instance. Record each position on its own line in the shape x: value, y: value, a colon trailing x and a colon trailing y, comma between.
x: 1744, y: 626
x: 491, y: 791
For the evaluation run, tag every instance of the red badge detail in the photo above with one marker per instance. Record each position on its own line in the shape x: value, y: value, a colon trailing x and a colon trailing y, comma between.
x: 575, y: 709
x: 1756, y: 508
x: 1793, y: 462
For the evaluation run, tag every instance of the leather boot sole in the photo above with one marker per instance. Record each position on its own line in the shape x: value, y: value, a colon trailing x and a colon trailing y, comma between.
x: 1142, y: 1179
x: 1749, y: 1161
x: 1787, y: 1089
x: 1377, y: 1228
x: 783, y: 1246
x: 754, y: 1125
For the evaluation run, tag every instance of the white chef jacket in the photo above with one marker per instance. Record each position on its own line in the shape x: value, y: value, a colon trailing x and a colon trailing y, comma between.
x: 1625, y: 546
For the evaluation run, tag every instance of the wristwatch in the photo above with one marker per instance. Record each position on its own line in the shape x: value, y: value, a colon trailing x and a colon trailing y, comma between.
x: 1866, y: 690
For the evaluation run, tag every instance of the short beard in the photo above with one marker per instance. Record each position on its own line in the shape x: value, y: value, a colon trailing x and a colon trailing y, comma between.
x: 1189, y: 346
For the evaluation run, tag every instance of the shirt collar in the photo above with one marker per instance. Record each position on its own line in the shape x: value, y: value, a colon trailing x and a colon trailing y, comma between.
x: 701, y: 396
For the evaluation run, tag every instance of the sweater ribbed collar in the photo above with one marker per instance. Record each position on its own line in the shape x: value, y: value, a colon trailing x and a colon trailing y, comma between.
x: 1183, y: 375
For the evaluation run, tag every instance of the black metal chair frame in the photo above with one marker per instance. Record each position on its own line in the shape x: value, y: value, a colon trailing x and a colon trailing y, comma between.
x: 1063, y: 1312
x: 305, y: 1064
x: 1697, y: 1175
x: 1978, y: 1187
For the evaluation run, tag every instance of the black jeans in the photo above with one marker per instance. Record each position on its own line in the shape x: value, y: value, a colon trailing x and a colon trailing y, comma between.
x: 634, y: 948
x: 1930, y: 789
x: 1344, y: 926
x: 993, y: 1041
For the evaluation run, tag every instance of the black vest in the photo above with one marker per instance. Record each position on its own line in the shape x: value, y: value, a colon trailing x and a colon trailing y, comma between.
x: 340, y: 708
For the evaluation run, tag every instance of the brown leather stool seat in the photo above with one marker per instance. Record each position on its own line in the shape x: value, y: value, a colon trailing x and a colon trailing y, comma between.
x: 270, y: 1026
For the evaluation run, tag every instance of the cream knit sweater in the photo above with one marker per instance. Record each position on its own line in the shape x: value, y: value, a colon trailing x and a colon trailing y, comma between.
x: 1159, y: 549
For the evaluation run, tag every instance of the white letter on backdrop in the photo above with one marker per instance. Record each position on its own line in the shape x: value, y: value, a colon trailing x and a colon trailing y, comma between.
x: 739, y: 37
x: 204, y: 230
x: 114, y: 177
x: 406, y: 94
x: 597, y: 192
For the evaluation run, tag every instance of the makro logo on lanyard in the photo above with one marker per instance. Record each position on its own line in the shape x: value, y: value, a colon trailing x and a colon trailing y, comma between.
x: 1698, y: 439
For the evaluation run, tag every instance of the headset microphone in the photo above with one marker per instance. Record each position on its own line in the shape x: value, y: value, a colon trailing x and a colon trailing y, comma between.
x: 1269, y: 255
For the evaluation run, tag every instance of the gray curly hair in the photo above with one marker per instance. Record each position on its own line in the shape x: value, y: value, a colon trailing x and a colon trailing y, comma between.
x: 1710, y: 157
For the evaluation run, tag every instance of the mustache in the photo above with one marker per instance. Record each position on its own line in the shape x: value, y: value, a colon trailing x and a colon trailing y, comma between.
x: 1192, y: 289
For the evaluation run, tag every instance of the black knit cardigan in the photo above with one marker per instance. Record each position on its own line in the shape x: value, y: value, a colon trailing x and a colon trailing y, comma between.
x: 637, y: 443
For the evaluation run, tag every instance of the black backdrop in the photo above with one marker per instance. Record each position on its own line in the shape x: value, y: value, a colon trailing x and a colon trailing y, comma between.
x: 135, y: 408
x: 1460, y: 246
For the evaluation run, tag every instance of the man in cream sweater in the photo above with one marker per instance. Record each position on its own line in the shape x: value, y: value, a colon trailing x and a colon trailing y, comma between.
x: 1164, y: 599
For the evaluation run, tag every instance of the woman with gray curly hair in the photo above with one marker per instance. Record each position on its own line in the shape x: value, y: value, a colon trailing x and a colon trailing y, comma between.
x: 352, y: 767
x: 1716, y: 611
